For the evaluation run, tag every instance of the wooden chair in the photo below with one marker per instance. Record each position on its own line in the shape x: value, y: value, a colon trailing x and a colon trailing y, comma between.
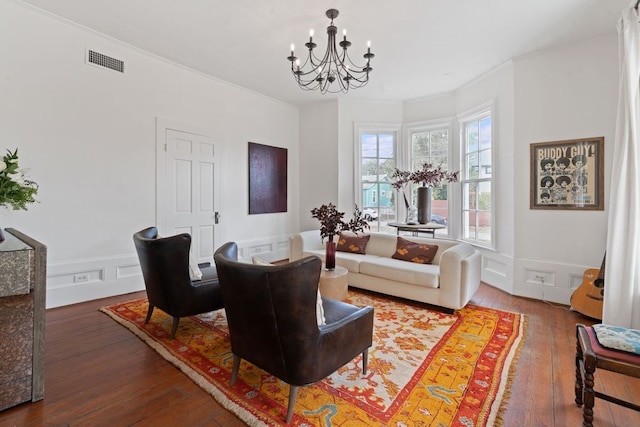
x: 590, y: 355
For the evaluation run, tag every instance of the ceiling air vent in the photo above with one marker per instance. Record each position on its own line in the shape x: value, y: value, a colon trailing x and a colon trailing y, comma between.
x: 104, y: 61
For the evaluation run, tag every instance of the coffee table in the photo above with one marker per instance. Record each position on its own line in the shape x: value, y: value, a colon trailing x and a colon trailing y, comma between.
x: 333, y: 283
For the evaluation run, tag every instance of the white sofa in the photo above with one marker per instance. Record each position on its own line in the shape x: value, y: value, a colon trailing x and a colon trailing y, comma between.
x: 449, y: 282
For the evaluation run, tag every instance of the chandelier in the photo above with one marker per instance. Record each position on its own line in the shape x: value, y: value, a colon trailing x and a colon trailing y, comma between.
x: 334, y: 67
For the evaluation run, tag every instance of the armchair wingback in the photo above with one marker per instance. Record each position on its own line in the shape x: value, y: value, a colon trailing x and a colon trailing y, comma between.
x: 165, y: 269
x: 272, y: 321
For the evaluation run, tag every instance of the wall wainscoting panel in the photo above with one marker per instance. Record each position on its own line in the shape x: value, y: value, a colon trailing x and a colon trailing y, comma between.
x: 274, y: 248
x: 547, y: 281
x: 76, y: 281
x: 497, y: 270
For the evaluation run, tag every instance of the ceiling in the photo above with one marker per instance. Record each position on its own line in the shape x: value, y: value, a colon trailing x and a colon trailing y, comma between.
x: 422, y: 47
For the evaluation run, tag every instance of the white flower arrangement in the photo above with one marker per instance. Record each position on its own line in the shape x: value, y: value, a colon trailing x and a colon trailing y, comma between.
x: 16, y: 190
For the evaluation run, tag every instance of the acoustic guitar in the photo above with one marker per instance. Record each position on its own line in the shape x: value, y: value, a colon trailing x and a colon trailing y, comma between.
x: 589, y: 296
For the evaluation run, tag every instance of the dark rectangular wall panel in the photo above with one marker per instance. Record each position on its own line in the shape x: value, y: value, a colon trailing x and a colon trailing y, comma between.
x: 267, y: 179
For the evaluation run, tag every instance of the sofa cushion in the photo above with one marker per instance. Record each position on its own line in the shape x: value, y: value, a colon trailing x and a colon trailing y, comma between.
x: 420, y: 253
x: 352, y: 243
x: 381, y: 244
x: 426, y: 275
x: 351, y: 261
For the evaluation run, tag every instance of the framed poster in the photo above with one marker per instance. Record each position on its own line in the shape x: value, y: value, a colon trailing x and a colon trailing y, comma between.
x: 267, y: 179
x: 568, y: 174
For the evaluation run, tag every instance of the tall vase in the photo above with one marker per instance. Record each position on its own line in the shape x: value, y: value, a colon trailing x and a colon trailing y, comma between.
x: 330, y: 255
x: 424, y: 205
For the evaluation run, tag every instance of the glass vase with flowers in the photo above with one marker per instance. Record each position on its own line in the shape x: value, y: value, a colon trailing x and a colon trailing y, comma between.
x: 332, y: 223
x: 427, y: 177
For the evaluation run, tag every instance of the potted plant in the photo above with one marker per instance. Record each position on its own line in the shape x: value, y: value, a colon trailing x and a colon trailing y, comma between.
x: 400, y: 180
x: 332, y: 223
x: 16, y: 191
x: 427, y: 177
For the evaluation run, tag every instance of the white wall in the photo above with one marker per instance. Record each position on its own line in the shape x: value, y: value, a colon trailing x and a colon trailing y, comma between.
x: 318, y: 160
x: 564, y: 93
x: 89, y: 137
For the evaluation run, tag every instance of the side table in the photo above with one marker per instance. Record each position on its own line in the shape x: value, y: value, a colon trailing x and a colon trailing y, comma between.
x: 333, y: 284
x: 429, y: 228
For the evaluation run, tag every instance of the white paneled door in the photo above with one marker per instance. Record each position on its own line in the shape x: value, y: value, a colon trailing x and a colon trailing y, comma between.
x: 186, y: 192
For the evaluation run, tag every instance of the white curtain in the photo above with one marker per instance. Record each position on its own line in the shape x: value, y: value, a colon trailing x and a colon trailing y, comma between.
x: 622, y: 272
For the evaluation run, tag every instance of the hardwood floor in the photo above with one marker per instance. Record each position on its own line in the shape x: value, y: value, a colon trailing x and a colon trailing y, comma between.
x: 97, y: 373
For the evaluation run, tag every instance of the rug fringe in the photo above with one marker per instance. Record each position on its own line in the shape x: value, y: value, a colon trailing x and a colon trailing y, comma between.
x: 495, y: 418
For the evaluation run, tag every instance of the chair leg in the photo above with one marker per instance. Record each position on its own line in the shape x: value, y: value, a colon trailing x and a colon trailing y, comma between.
x: 234, y: 371
x: 579, y: 385
x: 149, y: 313
x: 293, y: 392
x: 588, y: 393
x: 365, y: 361
x: 174, y: 328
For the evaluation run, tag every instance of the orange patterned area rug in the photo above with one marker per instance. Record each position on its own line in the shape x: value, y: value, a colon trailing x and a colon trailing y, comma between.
x: 425, y: 368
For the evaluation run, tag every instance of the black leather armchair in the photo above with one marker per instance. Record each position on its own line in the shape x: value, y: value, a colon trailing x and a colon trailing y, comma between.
x: 165, y: 269
x: 272, y: 321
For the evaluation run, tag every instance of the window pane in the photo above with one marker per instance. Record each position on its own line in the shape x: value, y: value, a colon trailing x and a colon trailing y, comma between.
x: 483, y: 229
x: 369, y: 169
x: 469, y: 196
x: 472, y: 171
x: 386, y: 168
x: 369, y: 145
x: 420, y: 145
x: 440, y: 146
x: 472, y: 137
x: 484, y: 196
x: 387, y: 149
x: 485, y: 133
x: 468, y: 228
x: 485, y: 164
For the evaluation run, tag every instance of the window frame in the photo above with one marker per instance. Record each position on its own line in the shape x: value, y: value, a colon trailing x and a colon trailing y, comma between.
x: 476, y: 114
x: 427, y: 126
x: 377, y: 128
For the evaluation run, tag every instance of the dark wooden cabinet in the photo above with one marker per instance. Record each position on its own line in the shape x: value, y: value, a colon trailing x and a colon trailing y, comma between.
x: 23, y: 263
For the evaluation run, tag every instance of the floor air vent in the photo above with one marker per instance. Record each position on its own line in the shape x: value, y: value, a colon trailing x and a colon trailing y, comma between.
x: 104, y: 61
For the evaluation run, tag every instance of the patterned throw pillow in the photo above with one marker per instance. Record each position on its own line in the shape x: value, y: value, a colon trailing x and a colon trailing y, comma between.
x: 353, y: 244
x: 420, y: 253
x: 618, y: 338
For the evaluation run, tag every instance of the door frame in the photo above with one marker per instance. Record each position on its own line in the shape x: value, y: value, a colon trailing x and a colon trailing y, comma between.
x: 162, y: 125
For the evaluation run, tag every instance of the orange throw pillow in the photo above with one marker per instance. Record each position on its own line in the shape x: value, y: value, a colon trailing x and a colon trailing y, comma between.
x: 415, y: 252
x: 353, y: 244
